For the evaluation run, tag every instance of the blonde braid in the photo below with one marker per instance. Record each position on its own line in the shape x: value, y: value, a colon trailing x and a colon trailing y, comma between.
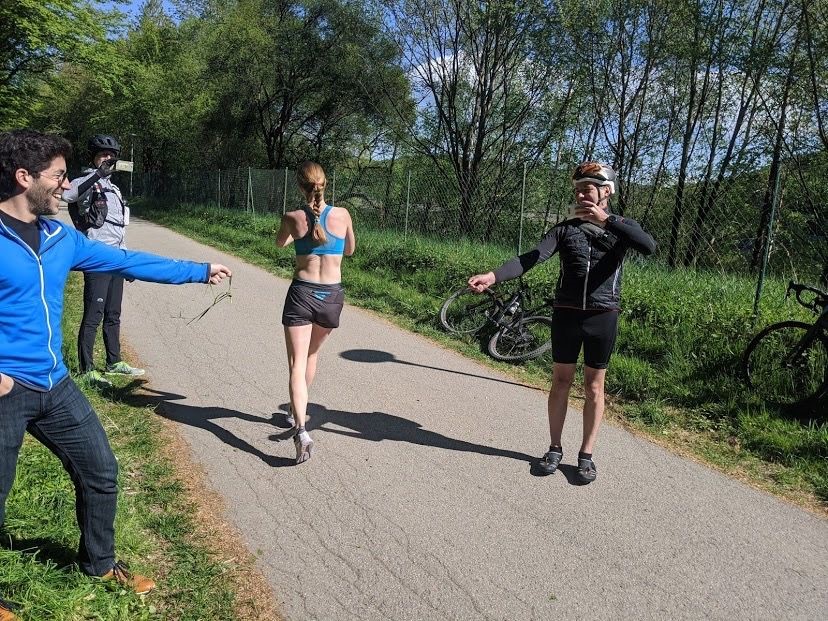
x: 316, y: 206
x: 312, y: 181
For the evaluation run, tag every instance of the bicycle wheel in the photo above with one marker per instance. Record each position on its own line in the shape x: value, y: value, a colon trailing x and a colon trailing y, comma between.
x: 524, y: 339
x: 779, y: 378
x: 466, y: 312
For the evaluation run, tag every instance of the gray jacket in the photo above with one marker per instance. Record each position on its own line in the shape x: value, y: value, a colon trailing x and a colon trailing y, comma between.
x: 113, y: 231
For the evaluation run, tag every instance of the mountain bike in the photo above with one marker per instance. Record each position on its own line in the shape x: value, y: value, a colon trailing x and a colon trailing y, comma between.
x: 787, y: 362
x: 518, y: 333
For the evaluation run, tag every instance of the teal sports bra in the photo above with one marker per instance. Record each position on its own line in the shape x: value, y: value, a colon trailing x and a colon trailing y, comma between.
x: 306, y: 245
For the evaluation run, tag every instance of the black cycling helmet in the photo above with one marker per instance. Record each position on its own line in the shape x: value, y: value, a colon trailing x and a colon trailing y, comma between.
x: 594, y: 172
x: 102, y: 142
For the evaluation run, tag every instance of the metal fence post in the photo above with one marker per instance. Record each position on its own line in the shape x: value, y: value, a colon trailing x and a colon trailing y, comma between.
x: 407, y: 204
x: 522, y: 202
x: 333, y: 187
x: 218, y: 194
x: 766, y: 252
x: 284, y: 194
x: 249, y: 200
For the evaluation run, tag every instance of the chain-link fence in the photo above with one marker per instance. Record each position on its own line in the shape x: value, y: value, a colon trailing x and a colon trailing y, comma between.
x: 752, y: 226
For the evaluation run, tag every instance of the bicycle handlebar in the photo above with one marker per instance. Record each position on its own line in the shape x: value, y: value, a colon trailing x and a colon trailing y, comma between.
x: 816, y: 305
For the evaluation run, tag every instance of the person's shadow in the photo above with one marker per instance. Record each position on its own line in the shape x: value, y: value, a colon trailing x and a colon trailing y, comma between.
x: 373, y: 356
x: 371, y: 426
x: 381, y: 426
x: 203, y: 417
x: 46, y: 550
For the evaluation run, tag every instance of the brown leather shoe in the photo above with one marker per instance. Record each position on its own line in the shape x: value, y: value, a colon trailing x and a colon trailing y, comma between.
x: 121, y: 574
x: 6, y: 613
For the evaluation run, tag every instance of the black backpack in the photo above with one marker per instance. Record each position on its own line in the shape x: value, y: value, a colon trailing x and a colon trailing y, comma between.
x: 95, y: 216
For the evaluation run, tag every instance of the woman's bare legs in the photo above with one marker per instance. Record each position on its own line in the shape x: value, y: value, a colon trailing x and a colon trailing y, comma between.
x: 318, y: 336
x: 297, y: 341
x: 303, y: 344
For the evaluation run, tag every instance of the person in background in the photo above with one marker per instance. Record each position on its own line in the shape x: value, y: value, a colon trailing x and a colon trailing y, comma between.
x: 98, y: 210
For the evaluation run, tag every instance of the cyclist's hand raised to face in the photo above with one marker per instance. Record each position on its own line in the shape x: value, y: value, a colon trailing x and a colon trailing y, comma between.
x: 481, y: 282
x: 589, y: 211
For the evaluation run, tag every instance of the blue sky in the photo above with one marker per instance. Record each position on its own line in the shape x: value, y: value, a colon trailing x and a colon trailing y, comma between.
x: 132, y: 7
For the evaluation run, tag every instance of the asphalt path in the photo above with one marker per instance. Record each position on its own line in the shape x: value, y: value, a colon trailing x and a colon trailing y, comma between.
x: 419, y: 502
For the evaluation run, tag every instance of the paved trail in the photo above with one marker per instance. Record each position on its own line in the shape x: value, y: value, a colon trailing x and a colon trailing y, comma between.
x: 419, y: 503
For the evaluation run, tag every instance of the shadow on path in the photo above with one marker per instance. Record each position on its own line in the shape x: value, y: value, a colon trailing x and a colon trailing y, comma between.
x: 203, y: 417
x: 374, y: 356
x: 380, y: 426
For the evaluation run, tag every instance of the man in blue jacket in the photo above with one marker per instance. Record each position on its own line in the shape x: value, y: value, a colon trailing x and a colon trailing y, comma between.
x: 36, y: 393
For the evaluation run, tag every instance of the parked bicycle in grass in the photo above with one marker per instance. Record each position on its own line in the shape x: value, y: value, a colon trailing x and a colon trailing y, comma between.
x: 786, y: 363
x: 517, y: 331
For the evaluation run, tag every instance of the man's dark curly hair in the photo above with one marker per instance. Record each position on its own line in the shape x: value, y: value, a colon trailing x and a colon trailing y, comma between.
x: 30, y: 150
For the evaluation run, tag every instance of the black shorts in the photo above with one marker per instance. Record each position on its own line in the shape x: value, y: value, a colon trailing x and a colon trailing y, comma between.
x: 594, y: 329
x: 309, y: 302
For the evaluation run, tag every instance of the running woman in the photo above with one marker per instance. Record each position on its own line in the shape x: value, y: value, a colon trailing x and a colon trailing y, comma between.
x: 592, y: 245
x: 321, y: 235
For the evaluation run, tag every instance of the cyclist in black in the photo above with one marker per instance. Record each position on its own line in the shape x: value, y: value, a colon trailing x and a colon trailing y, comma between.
x: 592, y: 244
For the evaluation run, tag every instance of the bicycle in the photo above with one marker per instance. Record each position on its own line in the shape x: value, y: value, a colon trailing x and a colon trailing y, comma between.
x: 518, y: 334
x: 787, y: 362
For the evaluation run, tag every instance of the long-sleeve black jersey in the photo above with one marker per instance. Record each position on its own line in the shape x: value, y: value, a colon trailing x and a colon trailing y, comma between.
x: 591, y: 261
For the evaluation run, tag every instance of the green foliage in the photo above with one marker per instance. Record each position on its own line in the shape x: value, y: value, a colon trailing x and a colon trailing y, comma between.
x: 38, y: 37
x: 304, y: 77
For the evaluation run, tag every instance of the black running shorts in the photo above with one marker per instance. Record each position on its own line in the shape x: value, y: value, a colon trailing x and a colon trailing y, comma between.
x: 309, y: 302
x: 594, y: 330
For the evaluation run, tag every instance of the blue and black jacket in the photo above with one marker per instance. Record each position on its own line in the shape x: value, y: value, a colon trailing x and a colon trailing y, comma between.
x: 31, y: 293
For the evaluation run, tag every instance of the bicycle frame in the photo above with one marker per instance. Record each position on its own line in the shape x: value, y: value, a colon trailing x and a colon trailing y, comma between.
x: 511, y: 311
x: 820, y: 325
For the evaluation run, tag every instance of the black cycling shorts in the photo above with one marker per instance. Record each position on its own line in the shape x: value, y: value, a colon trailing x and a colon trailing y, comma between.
x: 595, y: 330
x: 309, y: 302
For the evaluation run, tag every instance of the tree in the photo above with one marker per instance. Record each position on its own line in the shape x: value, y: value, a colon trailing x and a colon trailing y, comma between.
x: 302, y: 76
x: 39, y: 36
x: 492, y: 91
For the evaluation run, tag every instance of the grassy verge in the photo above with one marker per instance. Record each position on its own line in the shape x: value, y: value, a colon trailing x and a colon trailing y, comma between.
x: 155, y: 528
x: 675, y: 374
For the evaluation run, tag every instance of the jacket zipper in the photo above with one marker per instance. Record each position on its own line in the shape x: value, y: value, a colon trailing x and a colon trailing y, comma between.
x: 586, y: 278
x: 42, y: 298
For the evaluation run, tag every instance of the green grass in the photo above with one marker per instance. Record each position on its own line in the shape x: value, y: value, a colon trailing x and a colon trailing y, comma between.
x: 154, y: 526
x: 676, y: 370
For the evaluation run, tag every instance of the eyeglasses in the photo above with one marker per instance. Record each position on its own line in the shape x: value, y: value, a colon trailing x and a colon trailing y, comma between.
x: 60, y: 178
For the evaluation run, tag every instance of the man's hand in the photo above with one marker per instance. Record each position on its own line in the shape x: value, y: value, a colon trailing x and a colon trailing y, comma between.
x: 6, y: 384
x: 481, y: 282
x: 591, y: 213
x: 106, y: 168
x: 218, y: 273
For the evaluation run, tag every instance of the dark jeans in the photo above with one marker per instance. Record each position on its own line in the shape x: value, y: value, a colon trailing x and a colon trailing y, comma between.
x: 64, y: 421
x: 102, y: 296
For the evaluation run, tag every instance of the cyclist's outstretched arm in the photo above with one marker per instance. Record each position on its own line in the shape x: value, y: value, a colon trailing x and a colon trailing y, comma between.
x: 521, y: 264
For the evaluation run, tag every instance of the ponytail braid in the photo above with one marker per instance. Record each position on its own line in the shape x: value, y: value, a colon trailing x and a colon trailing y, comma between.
x: 312, y: 181
x: 316, y: 206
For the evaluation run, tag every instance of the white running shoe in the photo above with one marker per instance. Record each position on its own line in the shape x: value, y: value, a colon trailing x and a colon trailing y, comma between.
x: 289, y: 419
x: 304, y: 446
